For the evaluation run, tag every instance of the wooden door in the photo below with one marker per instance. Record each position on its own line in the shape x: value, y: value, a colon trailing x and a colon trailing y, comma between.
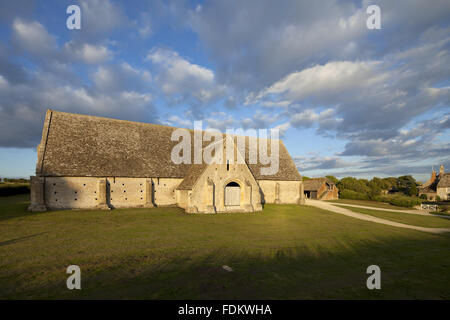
x: 232, y: 196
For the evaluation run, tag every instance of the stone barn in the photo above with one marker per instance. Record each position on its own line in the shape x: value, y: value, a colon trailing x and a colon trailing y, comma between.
x: 320, y: 189
x: 92, y: 162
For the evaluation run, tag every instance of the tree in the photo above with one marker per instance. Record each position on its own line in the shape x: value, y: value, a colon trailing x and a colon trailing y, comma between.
x: 412, y: 191
x: 376, y: 185
x: 390, y: 183
x: 333, y: 179
x: 404, y: 183
x: 304, y: 178
x: 350, y: 183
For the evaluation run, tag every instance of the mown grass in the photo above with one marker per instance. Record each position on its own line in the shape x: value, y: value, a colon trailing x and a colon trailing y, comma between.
x: 407, y: 218
x: 370, y: 204
x: 284, y: 252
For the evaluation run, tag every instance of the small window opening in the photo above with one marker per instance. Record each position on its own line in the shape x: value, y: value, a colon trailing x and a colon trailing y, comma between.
x: 228, y: 165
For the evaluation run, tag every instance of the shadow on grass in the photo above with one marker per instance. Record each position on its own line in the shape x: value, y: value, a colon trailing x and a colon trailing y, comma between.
x: 15, y: 207
x: 16, y: 240
x: 410, y: 269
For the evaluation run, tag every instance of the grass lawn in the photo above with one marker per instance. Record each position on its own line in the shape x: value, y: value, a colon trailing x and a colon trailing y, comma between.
x: 369, y: 203
x: 284, y: 252
x: 407, y: 218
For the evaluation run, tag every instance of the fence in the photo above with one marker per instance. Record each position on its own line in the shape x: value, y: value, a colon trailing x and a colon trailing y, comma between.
x: 429, y: 207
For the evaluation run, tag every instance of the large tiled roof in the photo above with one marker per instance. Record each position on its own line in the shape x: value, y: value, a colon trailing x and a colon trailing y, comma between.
x: 81, y: 145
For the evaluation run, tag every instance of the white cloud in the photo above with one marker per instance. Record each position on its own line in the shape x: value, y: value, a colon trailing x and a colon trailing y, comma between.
x: 305, y: 119
x: 271, y: 104
x: 33, y: 37
x: 178, y: 76
x: 259, y: 120
x: 122, y: 77
x: 145, y: 31
x: 317, y: 162
x: 220, y: 121
x: 179, y: 70
x: 87, y: 53
x: 283, y: 128
x: 3, y: 82
x: 337, y: 77
x: 177, y: 120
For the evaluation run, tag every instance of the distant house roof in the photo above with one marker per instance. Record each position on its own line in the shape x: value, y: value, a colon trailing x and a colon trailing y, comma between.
x: 314, y: 184
x: 444, y: 181
x: 81, y: 145
x: 427, y: 190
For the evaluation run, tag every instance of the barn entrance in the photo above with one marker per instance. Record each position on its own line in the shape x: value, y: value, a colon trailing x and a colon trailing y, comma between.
x: 232, y: 194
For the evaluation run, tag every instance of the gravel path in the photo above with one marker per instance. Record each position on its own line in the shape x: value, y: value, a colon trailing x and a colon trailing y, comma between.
x: 419, y: 212
x: 331, y: 207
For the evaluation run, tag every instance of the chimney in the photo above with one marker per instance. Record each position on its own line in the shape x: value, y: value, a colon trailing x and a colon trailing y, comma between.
x: 441, y: 169
x: 433, y: 177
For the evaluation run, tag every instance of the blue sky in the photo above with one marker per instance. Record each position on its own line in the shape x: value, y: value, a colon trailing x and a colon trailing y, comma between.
x: 348, y: 100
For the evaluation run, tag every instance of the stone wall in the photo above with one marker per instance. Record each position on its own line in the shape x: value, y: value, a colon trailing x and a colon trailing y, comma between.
x: 443, y: 193
x: 286, y: 192
x: 92, y: 192
x: 62, y: 193
x: 206, y: 196
x: 332, y: 194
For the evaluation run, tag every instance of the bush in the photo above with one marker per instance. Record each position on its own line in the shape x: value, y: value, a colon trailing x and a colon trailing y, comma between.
x: 350, y: 194
x: 11, y: 190
x: 423, y: 196
x: 20, y: 180
x: 404, y: 202
x: 381, y: 199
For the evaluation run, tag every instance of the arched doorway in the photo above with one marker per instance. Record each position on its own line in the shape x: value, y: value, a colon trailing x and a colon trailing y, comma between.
x: 232, y: 194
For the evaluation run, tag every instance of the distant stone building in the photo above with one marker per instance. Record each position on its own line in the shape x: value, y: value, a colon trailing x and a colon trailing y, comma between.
x: 92, y: 162
x: 437, y: 185
x: 320, y: 189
